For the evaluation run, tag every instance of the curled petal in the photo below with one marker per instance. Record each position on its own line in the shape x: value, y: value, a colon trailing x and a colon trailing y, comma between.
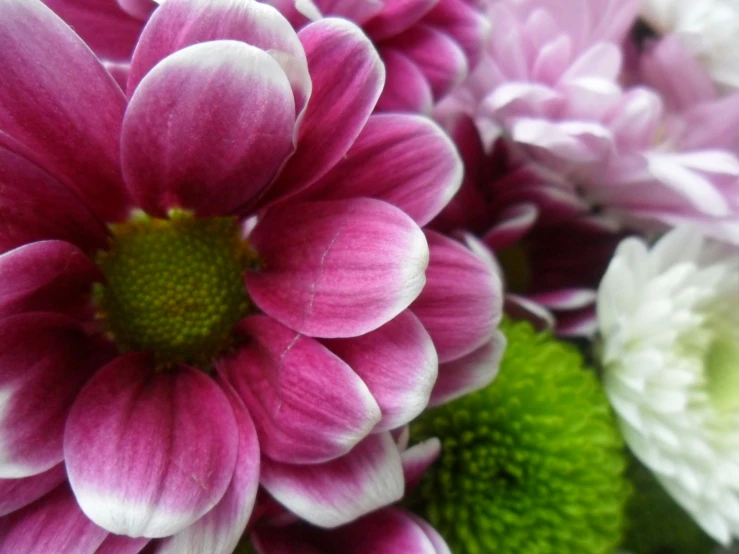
x: 307, y: 404
x: 148, y: 453
x: 469, y: 373
x: 218, y: 531
x: 461, y: 304
x: 398, y: 363
x: 418, y: 458
x: 406, y: 89
x: 337, y: 492
x: 182, y: 23
x: 337, y: 268
x: 224, y: 89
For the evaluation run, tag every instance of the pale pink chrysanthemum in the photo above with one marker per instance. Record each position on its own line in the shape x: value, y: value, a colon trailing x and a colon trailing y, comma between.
x: 183, y: 316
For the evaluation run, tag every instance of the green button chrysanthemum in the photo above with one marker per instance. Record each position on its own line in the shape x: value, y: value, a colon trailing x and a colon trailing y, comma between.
x: 532, y: 464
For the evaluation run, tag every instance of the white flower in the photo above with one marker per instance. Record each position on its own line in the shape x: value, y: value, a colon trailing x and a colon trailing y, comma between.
x: 709, y: 29
x: 669, y: 322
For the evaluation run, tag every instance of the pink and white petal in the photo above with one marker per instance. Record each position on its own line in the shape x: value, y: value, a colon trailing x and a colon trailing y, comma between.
x: 406, y: 87
x: 169, y: 155
x: 519, y: 307
x: 440, y: 58
x: 308, y: 405
x: 140, y: 9
x: 358, y: 11
x: 182, y: 23
x: 433, y: 535
x: 348, y: 77
x: 67, y: 109
x: 45, y: 360
x: 460, y: 306
x: 398, y: 363
x: 109, y: 31
x: 512, y: 224
x: 47, y: 276
x: 342, y: 490
x: 403, y: 159
x: 219, y: 531
x: 417, y: 459
x: 17, y: 493
x: 566, y: 299
x: 121, y: 544
x: 469, y: 373
x: 396, y: 16
x: 141, y: 460
x: 34, y: 205
x: 52, y: 524
x: 337, y: 269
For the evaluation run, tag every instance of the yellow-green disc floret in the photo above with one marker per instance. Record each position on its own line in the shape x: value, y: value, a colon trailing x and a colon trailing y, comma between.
x: 532, y: 464
x: 174, y: 287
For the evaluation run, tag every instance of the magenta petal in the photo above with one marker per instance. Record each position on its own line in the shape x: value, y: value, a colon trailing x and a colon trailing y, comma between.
x: 148, y: 453
x: 348, y: 77
x: 461, y: 304
x: 337, y: 269
x: 67, y: 108
x: 218, y: 531
x: 121, y: 544
x: 44, y: 361
x: 433, y: 535
x: 34, y: 205
x: 16, y: 493
x: 405, y: 160
x: 170, y: 157
x: 47, y: 276
x: 181, y: 23
x: 337, y: 492
x: 406, y: 88
x: 418, y: 458
x: 140, y: 9
x: 102, y: 24
x: 397, y: 16
x: 512, y: 224
x: 469, y: 373
x: 308, y: 405
x: 465, y: 23
x: 439, y: 57
x: 398, y: 364
x: 52, y: 524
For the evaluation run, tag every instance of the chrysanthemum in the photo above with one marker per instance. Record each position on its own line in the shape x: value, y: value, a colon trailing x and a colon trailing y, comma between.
x: 670, y: 353
x: 178, y: 303
x: 533, y: 463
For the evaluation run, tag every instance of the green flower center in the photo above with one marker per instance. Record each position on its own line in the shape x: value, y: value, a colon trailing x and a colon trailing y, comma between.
x: 174, y: 287
x: 531, y: 464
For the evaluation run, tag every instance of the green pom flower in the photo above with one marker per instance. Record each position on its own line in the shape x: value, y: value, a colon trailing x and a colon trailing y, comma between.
x: 532, y: 464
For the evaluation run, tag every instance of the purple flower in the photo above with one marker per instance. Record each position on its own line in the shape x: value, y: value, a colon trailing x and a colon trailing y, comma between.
x: 215, y: 283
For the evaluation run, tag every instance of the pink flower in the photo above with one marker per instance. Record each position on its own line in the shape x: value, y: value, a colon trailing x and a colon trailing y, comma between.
x: 270, y: 328
x: 676, y: 149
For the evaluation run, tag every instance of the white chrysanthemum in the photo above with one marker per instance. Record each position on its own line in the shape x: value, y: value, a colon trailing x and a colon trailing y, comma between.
x: 669, y: 322
x: 709, y: 28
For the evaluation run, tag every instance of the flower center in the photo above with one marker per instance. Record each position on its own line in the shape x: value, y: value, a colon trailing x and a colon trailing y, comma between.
x: 722, y: 372
x: 174, y: 287
x: 532, y: 463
